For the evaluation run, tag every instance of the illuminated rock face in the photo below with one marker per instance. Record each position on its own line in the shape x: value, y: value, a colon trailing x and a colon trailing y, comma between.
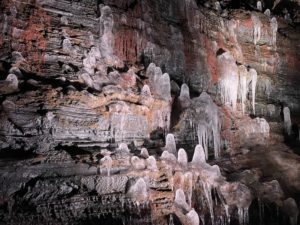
x: 112, y: 111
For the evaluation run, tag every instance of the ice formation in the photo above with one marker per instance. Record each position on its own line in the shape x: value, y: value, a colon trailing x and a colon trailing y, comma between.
x: 287, y: 120
x: 151, y: 163
x: 199, y: 155
x: 274, y: 27
x: 182, y: 157
x: 106, y: 161
x: 291, y: 209
x: 259, y: 5
x: 184, y: 96
x: 171, y: 144
x: 145, y: 92
x: 188, y: 186
x: 138, y: 191
x: 229, y: 81
x: 193, y: 218
x: 180, y: 199
x: 137, y: 163
x: 253, y: 75
x: 256, y: 28
x: 144, y: 153
x: 168, y: 156
x: 243, y: 87
x: 208, y: 128
x: 123, y: 148
x: 218, y: 6
x: 267, y: 12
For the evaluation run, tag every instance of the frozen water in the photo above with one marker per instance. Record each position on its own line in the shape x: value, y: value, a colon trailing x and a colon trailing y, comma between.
x: 274, y: 28
x: 259, y: 5
x: 188, y: 186
x: 182, y: 157
x: 253, y: 75
x: 287, y: 120
x: 184, y: 96
x: 199, y: 155
x: 267, y: 12
x: 243, y: 87
x: 256, y: 28
x: 138, y: 191
x: 144, y: 153
x: 171, y: 144
x: 193, y: 218
x: 151, y: 163
x: 106, y: 161
x: 168, y: 156
x: 137, y: 163
x: 229, y: 82
x: 180, y: 199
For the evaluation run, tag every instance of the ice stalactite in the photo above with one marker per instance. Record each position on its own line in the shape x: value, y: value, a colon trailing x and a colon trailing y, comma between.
x: 182, y: 157
x: 287, y: 120
x: 106, y: 162
x: 229, y: 81
x: 259, y: 5
x: 256, y: 28
x: 243, y: 87
x: 253, y: 75
x: 208, y: 128
x: 199, y: 155
x: 171, y: 144
x: 274, y: 28
x: 139, y: 191
x: 151, y: 163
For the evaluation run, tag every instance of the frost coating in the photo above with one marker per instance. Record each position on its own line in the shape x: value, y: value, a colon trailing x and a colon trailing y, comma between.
x: 151, y: 163
x: 253, y: 75
x: 256, y: 28
x: 199, y: 155
x: 229, y: 82
x: 138, y: 191
x: 287, y: 120
x: 182, y: 157
x: 171, y: 144
x: 274, y: 28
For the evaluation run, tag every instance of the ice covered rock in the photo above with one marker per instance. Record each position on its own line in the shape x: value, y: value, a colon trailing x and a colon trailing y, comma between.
x: 182, y: 157
x: 137, y: 163
x: 151, y: 163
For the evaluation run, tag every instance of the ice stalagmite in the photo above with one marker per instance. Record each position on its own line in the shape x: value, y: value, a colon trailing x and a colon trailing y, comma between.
x: 137, y: 163
x: 106, y: 161
x: 253, y: 75
x: 180, y: 199
x: 182, y: 157
x: 243, y: 87
x: 287, y: 120
x: 259, y: 5
x: 229, y: 81
x: 267, y: 12
x: 193, y: 218
x: 184, y: 97
x: 144, y: 153
x: 171, y: 144
x: 151, y: 163
x: 256, y: 28
x: 138, y: 191
x: 199, y: 155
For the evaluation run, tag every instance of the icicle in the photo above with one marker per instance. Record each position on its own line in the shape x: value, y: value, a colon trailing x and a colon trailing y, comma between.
x: 243, y: 87
x: 203, y: 138
x: 229, y: 82
x: 182, y: 157
x: 199, y: 155
x: 171, y: 221
x: 151, y: 163
x: 171, y: 144
x: 256, y: 28
x: 106, y: 161
x: 243, y: 214
x: 207, y: 193
x: 274, y: 27
x: 287, y: 120
x: 253, y: 75
x: 259, y: 5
